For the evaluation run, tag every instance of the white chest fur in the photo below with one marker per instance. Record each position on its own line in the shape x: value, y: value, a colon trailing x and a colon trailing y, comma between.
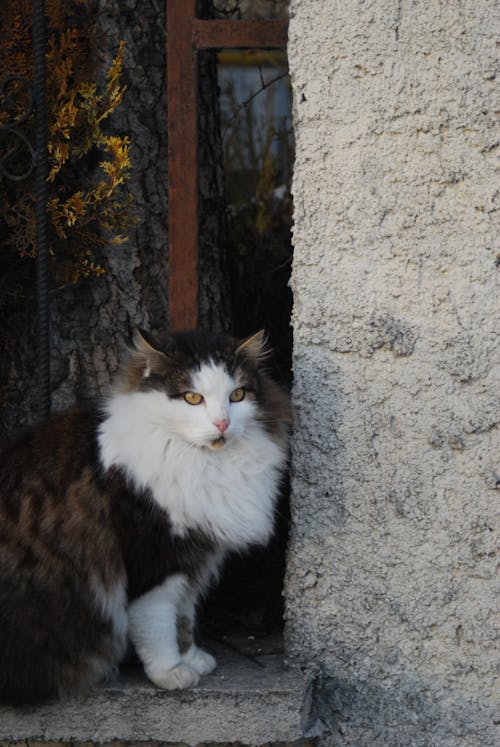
x: 229, y: 492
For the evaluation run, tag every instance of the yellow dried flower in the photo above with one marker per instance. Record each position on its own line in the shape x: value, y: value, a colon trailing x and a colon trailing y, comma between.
x: 84, y: 200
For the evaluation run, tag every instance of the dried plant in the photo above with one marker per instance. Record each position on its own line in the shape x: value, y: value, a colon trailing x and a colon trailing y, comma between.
x: 88, y: 168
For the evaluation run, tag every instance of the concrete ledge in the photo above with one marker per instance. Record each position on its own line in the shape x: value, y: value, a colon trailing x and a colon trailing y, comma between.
x: 249, y: 699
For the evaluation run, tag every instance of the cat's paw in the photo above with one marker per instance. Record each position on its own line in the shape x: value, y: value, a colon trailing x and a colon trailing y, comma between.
x: 201, y: 661
x: 177, y: 678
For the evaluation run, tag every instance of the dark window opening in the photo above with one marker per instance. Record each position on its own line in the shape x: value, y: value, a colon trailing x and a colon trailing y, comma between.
x: 257, y: 134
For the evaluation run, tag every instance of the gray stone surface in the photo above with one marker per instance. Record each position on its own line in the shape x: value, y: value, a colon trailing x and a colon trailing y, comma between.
x: 390, y: 583
x: 250, y: 699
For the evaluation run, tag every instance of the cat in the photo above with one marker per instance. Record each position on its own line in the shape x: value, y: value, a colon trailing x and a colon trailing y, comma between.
x: 115, y: 520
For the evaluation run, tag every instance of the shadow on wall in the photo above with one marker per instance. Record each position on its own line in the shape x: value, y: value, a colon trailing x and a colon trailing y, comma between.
x: 351, y: 709
x: 319, y: 411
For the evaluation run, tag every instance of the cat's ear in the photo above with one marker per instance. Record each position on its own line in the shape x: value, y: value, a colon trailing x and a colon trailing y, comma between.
x: 141, y: 342
x: 155, y: 360
x: 254, y: 347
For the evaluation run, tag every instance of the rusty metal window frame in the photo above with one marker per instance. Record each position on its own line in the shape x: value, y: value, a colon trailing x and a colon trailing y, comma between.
x: 186, y: 36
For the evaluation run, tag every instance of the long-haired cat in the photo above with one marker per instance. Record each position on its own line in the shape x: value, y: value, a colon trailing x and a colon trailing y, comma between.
x: 114, y: 521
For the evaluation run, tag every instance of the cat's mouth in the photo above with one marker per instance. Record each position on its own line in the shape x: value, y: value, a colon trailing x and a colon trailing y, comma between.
x: 218, y: 443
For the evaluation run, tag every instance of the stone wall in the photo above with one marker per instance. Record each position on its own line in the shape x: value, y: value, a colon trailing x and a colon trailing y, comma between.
x: 391, y: 558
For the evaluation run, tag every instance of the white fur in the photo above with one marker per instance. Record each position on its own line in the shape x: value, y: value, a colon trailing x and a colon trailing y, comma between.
x: 112, y: 604
x: 153, y: 631
x: 166, y: 445
x: 201, y: 661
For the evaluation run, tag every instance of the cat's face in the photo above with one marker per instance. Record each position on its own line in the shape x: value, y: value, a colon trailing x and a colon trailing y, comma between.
x: 216, y: 407
x: 204, y: 390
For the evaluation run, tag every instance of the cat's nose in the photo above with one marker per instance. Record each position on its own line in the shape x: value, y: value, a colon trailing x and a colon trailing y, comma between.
x: 222, y: 424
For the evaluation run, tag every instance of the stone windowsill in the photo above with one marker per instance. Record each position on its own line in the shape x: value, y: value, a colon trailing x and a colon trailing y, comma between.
x: 253, y: 697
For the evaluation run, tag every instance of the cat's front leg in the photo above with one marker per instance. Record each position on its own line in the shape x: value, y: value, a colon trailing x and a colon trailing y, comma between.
x: 198, y: 659
x: 201, y: 661
x: 153, y: 631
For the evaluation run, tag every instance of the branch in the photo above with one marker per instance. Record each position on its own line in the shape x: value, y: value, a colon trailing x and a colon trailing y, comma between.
x: 244, y: 104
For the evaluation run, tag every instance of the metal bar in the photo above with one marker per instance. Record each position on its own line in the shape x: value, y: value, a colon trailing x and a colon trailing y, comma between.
x: 182, y: 100
x: 240, y: 34
x: 187, y: 34
x: 41, y: 198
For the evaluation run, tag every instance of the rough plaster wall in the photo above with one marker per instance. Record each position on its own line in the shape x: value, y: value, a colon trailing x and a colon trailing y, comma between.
x: 391, y: 558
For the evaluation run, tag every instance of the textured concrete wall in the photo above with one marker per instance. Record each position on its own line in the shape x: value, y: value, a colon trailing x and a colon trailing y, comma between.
x: 391, y: 558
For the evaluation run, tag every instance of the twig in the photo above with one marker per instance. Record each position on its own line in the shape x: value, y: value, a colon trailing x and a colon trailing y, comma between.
x: 245, y: 103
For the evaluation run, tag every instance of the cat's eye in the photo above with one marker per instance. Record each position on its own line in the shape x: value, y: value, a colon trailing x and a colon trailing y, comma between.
x: 193, y: 398
x: 237, y: 395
